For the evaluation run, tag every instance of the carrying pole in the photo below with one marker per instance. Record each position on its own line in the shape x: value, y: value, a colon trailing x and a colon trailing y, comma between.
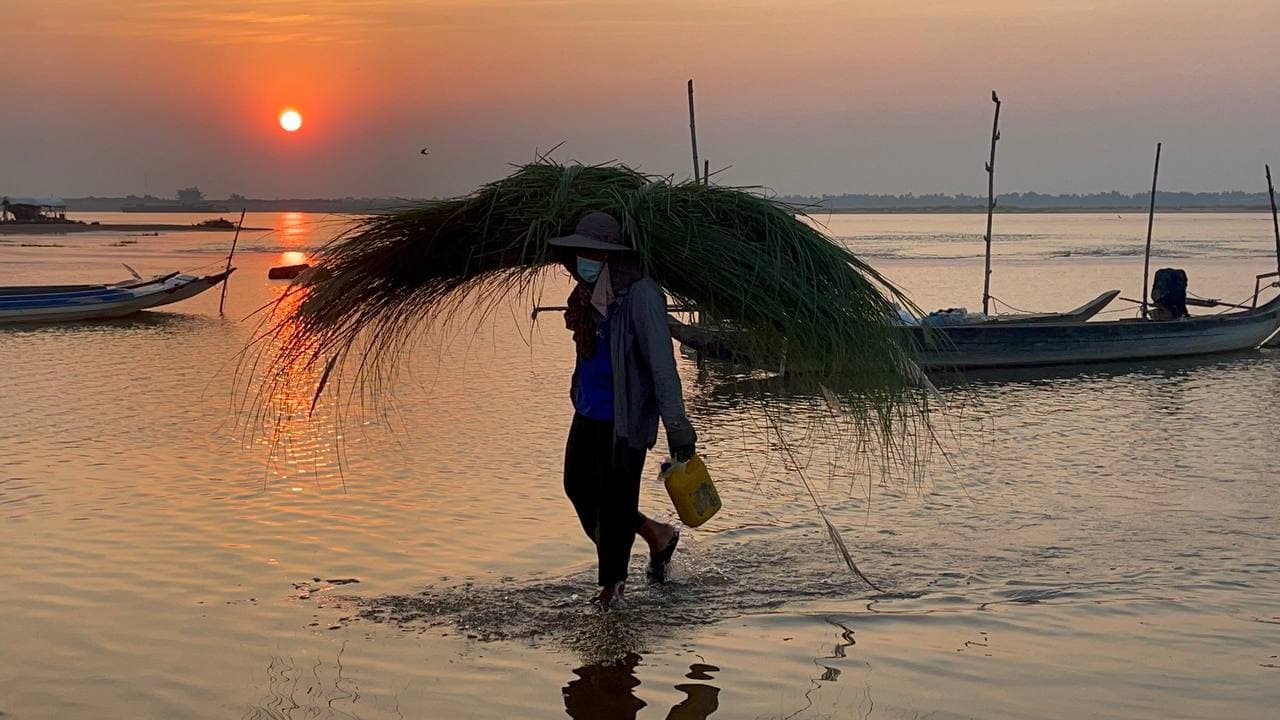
x: 693, y: 134
x: 1275, y: 223
x: 231, y: 254
x: 991, y: 204
x: 1151, y: 216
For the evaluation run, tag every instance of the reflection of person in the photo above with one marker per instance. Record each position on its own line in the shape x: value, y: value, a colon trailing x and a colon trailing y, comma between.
x: 624, y: 380
x: 604, y: 692
x: 607, y: 692
x: 701, y: 701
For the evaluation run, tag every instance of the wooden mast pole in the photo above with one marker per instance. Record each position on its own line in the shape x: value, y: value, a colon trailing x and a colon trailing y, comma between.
x: 231, y: 254
x: 693, y: 142
x: 693, y: 134
x: 1275, y: 223
x: 991, y: 204
x: 1151, y: 216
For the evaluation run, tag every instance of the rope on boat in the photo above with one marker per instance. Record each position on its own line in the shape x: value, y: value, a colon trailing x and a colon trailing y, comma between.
x: 1011, y: 307
x: 1247, y: 298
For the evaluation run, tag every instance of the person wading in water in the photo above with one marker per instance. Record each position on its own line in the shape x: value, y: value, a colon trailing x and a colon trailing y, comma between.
x: 624, y: 380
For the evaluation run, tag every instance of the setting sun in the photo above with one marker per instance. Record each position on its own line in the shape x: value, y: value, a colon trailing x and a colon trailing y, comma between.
x: 291, y: 120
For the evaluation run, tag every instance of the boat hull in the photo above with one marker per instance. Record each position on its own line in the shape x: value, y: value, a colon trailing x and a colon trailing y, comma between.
x: 1003, y: 345
x: 993, y: 346
x: 97, y: 302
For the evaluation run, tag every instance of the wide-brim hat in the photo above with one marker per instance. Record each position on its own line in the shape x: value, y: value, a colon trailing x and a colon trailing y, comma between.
x: 595, y: 231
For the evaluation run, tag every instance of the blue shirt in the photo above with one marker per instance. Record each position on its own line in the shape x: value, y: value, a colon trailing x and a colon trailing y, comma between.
x: 595, y: 379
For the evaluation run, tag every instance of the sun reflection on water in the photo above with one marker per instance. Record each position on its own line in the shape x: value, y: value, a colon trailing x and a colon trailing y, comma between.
x: 293, y: 257
x: 286, y: 416
x: 296, y: 231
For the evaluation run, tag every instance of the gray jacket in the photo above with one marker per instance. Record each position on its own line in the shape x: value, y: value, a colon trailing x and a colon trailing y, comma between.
x: 646, y: 385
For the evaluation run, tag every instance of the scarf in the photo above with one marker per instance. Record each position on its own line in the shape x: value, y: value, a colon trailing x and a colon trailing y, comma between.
x: 581, y: 319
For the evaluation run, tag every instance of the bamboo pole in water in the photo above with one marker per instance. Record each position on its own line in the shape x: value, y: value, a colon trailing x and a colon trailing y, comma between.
x: 693, y: 133
x: 1275, y: 223
x: 1151, y: 217
x: 234, y: 240
x: 991, y: 203
x: 693, y: 141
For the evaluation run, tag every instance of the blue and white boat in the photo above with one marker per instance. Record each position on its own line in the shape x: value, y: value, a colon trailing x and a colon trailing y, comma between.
x: 59, y: 303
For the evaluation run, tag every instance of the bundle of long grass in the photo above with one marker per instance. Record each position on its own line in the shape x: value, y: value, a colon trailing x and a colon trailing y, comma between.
x: 780, y: 287
x: 737, y: 256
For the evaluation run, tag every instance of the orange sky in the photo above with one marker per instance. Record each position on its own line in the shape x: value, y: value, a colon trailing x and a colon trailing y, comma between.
x: 808, y: 96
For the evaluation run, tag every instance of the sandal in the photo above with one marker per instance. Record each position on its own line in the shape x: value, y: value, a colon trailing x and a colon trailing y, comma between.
x: 610, y: 596
x: 660, y: 561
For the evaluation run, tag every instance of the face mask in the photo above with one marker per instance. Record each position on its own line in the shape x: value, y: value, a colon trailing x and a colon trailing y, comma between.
x: 589, y: 270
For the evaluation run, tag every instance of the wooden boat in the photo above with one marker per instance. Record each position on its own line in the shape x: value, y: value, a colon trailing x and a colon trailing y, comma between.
x: 287, y: 272
x: 992, y: 345
x: 703, y: 339
x: 58, y: 303
x: 1018, y: 345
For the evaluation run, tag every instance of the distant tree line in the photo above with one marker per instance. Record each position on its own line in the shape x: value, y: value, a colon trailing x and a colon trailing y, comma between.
x: 1008, y: 202
x: 237, y: 202
x: 1232, y: 199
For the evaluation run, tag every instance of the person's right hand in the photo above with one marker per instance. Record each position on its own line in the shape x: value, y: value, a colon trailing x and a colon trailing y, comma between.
x: 684, y: 453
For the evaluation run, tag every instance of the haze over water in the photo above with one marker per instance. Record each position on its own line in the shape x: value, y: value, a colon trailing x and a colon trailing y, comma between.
x: 1101, y: 542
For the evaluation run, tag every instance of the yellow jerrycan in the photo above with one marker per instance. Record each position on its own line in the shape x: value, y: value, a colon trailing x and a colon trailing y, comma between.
x: 691, y: 490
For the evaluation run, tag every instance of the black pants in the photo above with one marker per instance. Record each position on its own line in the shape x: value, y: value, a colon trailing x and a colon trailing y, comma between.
x: 602, y: 479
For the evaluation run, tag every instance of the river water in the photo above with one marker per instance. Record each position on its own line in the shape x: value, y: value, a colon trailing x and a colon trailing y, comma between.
x: 1096, y: 542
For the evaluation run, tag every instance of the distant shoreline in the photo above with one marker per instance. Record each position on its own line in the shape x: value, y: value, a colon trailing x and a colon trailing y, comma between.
x: 812, y: 209
x: 1231, y: 201
x: 945, y: 210
x: 336, y: 206
x: 76, y: 227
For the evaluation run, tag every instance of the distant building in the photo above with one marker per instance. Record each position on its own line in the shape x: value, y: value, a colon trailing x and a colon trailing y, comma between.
x: 33, y: 210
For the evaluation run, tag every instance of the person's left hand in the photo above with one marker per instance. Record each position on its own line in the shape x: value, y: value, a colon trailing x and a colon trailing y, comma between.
x: 684, y: 453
